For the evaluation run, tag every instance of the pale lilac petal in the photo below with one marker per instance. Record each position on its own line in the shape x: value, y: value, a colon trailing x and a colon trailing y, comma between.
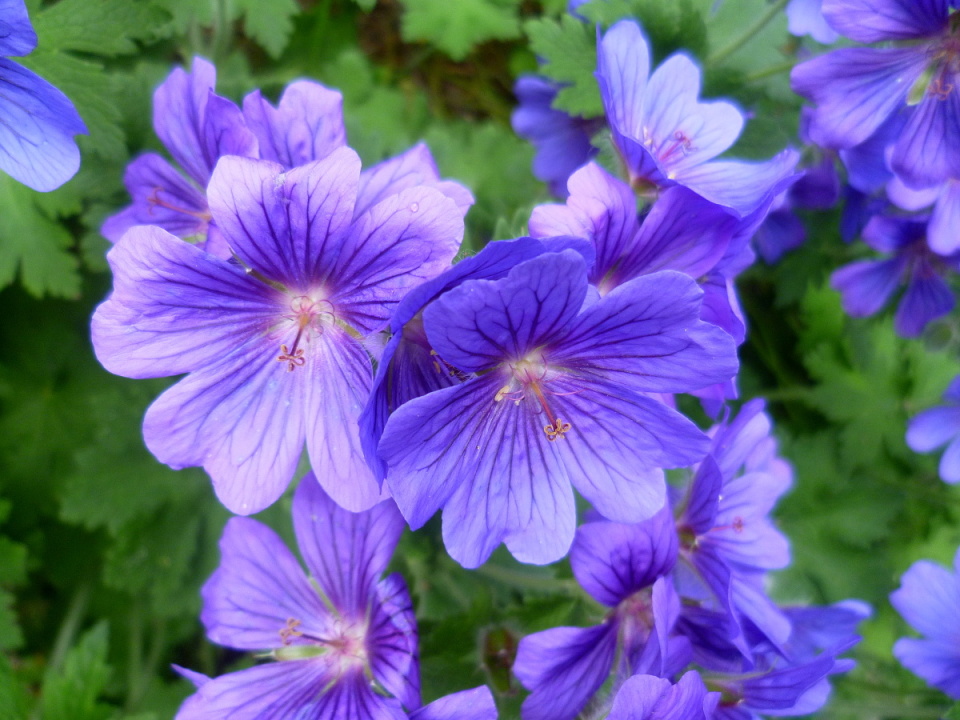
x: 933, y: 428
x: 16, y: 33
x: 855, y: 90
x: 278, y: 690
x: 805, y: 17
x: 404, y: 240
x: 867, y: 285
x: 224, y: 131
x: 340, y: 374
x: 950, y: 464
x: 743, y: 532
x: 926, y: 152
x: 259, y: 592
x: 611, y: 561
x: 928, y: 594
x: 908, y: 198
x: 482, y: 323
x: 739, y: 185
x: 645, y: 697
x: 37, y: 125
x: 241, y: 419
x: 869, y: 21
x: 647, y: 332
x: 927, y: 297
x: 475, y: 704
x: 623, y: 66
x: 942, y: 232
x: 392, y: 638
x: 175, y: 309
x: 306, y: 125
x: 346, y: 552
x: 680, y: 131
x: 936, y: 662
x: 179, y: 109
x: 162, y: 197
x: 285, y: 224
x: 564, y: 667
x: 413, y: 168
x: 748, y: 597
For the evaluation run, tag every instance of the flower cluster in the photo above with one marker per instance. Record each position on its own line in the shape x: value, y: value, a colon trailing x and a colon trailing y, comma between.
x: 312, y: 303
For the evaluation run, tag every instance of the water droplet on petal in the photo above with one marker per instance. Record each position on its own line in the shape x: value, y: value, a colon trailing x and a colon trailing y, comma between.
x: 414, y: 207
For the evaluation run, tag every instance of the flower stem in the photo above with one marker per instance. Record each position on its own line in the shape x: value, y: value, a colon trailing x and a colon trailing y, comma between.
x: 738, y: 42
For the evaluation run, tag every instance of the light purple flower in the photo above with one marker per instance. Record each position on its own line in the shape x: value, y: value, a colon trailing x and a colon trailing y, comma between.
x: 929, y: 600
x: 857, y: 89
x: 556, y: 397
x: 937, y: 427
x: 334, y: 636
x: 805, y: 17
x: 645, y: 697
x: 273, y: 340
x: 667, y: 137
x: 37, y: 121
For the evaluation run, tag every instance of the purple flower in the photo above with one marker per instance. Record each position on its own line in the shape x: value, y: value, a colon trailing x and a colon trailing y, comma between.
x: 929, y: 600
x: 667, y: 137
x: 330, y: 634
x: 805, y: 17
x: 942, y: 234
x: 556, y: 397
x: 645, y: 697
x: 867, y: 285
x: 273, y: 340
x: 197, y: 127
x: 857, y: 89
x: 37, y: 121
x: 940, y: 426
x: 562, y: 142
x: 622, y: 567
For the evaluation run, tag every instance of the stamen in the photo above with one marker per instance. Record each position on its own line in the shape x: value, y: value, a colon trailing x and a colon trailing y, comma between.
x: 557, y: 430
x: 940, y: 89
x: 154, y: 199
x: 290, y: 631
x: 294, y: 357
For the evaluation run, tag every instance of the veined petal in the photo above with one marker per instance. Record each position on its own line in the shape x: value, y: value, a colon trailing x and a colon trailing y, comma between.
x: 936, y: 662
x: 306, y: 125
x: 352, y: 698
x: 927, y: 297
x: 928, y: 594
x: 37, y: 125
x: 259, y: 598
x: 285, y: 225
x: 412, y: 168
x: 926, y: 152
x: 277, y: 690
x: 179, y: 109
x: 393, y: 641
x: 16, y: 33
x: 346, y: 552
x: 340, y: 374
x: 805, y: 17
x: 680, y: 131
x: 646, y: 697
x: 743, y: 532
x: 176, y: 309
x: 855, y: 90
x: 942, y: 232
x: 224, y: 131
x: 161, y: 197
x: 564, y: 667
x: 407, y: 238
x: 475, y: 704
x: 741, y: 186
x: 647, y: 333
x: 870, y: 21
x: 611, y: 561
x: 483, y: 322
x: 866, y: 285
x: 933, y: 428
x: 623, y: 67
x: 242, y: 420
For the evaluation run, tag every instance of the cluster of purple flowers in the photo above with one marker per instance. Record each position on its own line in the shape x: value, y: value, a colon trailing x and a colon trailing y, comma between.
x: 312, y: 303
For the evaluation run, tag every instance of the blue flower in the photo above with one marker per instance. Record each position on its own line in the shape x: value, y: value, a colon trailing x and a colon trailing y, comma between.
x: 37, y: 121
x: 940, y: 426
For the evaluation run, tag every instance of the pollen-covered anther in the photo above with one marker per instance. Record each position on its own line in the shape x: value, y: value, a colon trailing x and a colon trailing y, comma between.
x: 557, y: 429
x: 289, y: 631
x: 295, y: 358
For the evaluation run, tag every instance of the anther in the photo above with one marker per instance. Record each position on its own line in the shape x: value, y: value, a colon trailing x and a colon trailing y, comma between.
x: 557, y: 430
x: 295, y: 358
x: 290, y: 631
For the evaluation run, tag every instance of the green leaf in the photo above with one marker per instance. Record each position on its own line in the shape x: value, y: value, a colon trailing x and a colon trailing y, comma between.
x: 366, y: 5
x: 667, y: 25
x: 953, y: 713
x: 34, y: 246
x: 14, y: 695
x: 104, y: 27
x: 568, y: 49
x: 269, y: 22
x: 456, y: 28
x: 73, y: 690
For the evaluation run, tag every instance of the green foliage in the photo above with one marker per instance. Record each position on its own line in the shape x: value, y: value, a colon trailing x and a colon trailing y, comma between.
x: 72, y: 691
x: 457, y: 28
x: 568, y: 50
x: 269, y: 22
x: 668, y: 26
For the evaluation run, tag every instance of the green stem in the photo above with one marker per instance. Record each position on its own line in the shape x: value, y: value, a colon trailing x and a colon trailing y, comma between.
x: 68, y: 629
x: 770, y: 71
x: 520, y: 579
x: 738, y: 42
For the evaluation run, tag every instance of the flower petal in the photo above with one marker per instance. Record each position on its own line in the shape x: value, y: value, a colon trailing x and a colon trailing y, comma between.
x: 16, y: 33
x: 393, y: 641
x: 37, y: 125
x: 926, y: 152
x: 475, y: 704
x: 346, y: 552
x: 259, y: 592
x: 288, y: 226
x: 741, y: 186
x: 623, y: 67
x: 950, y: 464
x: 306, y: 125
x: 564, y: 667
x: 870, y: 21
x: 936, y: 662
x: 179, y: 109
x: 928, y: 594
x: 866, y: 285
x: 927, y: 297
x: 646, y: 697
x: 933, y: 428
x: 942, y: 231
x: 175, y: 308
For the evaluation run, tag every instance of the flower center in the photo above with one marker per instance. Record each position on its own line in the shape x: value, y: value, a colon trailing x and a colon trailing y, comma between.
x: 308, y: 316
x: 346, y: 643
x: 529, y: 377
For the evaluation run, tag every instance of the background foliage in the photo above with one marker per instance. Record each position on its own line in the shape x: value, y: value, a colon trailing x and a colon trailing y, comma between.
x: 103, y: 550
